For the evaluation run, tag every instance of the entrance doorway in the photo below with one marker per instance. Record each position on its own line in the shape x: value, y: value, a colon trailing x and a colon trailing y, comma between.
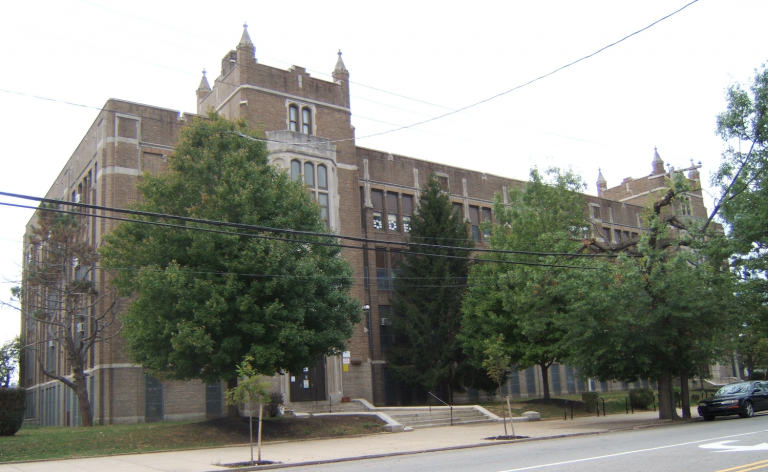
x: 309, y: 384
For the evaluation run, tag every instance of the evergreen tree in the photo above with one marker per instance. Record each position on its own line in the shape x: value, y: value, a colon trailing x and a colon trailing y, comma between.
x: 427, y: 299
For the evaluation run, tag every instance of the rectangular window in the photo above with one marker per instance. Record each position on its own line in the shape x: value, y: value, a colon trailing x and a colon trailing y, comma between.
x: 443, y: 181
x: 407, y: 202
x: 474, y: 218
x: 377, y: 200
x: 606, y: 234
x: 322, y: 199
x: 487, y: 222
x: 382, y: 270
x: 306, y: 121
x: 392, y: 212
x: 617, y: 235
x: 51, y: 364
x: 213, y: 399
x: 457, y: 208
x: 293, y: 117
x: 596, y: 213
x: 626, y: 236
x: 386, y: 337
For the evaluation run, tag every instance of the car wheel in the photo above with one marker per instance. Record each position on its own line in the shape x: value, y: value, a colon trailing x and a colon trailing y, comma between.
x: 709, y: 417
x: 749, y: 410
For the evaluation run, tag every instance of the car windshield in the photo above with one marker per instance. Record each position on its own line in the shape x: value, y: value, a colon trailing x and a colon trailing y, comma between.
x: 734, y: 389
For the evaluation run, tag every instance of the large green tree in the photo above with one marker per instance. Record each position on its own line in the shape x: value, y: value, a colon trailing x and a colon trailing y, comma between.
x: 204, y: 301
x: 427, y: 299
x: 523, y: 302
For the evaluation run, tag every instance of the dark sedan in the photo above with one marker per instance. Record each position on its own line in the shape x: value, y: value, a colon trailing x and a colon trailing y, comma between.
x: 743, y: 399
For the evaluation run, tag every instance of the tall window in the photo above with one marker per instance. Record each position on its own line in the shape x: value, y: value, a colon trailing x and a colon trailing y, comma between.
x: 487, y: 220
x: 474, y: 218
x: 293, y: 117
x: 382, y: 270
x: 309, y: 174
x: 316, y: 183
x: 295, y: 170
x: 377, y: 200
x: 407, y: 201
x: 306, y: 121
x: 392, y: 212
x: 457, y: 208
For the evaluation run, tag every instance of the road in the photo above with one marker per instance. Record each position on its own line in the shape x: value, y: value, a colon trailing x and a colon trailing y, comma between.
x: 732, y: 444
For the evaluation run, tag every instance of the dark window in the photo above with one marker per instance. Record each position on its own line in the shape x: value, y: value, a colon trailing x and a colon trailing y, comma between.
x: 153, y: 399
x: 293, y: 118
x: 306, y: 121
x: 607, y: 234
x: 443, y: 181
x: 457, y: 208
x: 322, y: 177
x: 596, y: 213
x: 295, y: 170
x: 407, y: 202
x: 617, y: 235
x: 377, y: 200
x: 386, y: 337
x: 474, y: 218
x: 382, y: 270
x: 392, y: 212
x: 309, y: 174
x: 322, y: 199
x: 213, y: 399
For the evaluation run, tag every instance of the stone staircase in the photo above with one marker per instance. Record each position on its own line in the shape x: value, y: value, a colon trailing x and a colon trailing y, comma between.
x: 323, y: 407
x: 437, y: 417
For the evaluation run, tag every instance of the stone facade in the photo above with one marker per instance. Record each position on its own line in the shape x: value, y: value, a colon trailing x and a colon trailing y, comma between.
x: 369, y: 193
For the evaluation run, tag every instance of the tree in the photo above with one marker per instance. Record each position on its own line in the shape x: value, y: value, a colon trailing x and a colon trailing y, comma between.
x: 60, y: 302
x: 496, y: 363
x: 664, y: 313
x: 523, y: 302
x: 205, y: 300
x: 427, y: 298
x: 9, y: 361
x: 250, y: 391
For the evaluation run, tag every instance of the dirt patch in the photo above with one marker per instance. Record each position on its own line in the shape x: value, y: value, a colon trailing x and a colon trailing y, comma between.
x: 281, y: 429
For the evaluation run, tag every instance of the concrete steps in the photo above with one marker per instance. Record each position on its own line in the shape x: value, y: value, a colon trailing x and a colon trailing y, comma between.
x: 437, y: 418
x: 312, y: 407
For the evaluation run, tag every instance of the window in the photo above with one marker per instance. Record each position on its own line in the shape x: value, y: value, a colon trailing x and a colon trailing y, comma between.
x: 407, y: 202
x: 306, y: 121
x: 318, y: 187
x: 386, y: 336
x: 213, y: 399
x: 596, y: 213
x: 685, y: 206
x: 309, y: 174
x: 606, y: 234
x: 377, y: 200
x: 443, y: 181
x: 382, y: 270
x: 457, y: 209
x: 474, y: 218
x: 322, y: 177
x: 51, y: 364
x: 322, y: 199
x: 487, y: 221
x: 293, y: 118
x: 392, y: 212
x: 617, y: 235
x: 295, y: 170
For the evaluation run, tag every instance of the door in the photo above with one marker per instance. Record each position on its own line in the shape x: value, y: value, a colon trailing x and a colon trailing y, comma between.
x: 309, y: 384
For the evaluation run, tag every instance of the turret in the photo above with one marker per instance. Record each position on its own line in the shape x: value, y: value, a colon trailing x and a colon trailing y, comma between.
x: 203, y: 89
x: 602, y: 184
x: 341, y: 77
x: 658, y: 164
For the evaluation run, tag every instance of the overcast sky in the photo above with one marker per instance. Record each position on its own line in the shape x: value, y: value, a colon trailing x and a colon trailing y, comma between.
x: 408, y: 61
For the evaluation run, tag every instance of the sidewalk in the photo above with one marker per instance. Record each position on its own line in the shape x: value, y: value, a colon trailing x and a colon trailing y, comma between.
x: 296, y: 452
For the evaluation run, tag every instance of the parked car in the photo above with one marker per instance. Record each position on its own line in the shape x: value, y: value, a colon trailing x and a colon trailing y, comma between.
x: 743, y: 399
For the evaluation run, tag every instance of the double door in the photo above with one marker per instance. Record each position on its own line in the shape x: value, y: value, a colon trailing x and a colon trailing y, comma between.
x: 308, y: 385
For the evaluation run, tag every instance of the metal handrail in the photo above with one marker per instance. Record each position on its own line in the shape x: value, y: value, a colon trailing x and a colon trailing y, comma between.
x: 441, y: 401
x: 565, y: 410
x: 597, y: 405
x: 627, y: 406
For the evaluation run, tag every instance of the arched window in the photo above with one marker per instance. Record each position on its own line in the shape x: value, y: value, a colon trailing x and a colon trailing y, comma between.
x: 295, y: 170
x: 309, y: 174
x: 306, y: 121
x: 322, y: 177
x: 293, y: 117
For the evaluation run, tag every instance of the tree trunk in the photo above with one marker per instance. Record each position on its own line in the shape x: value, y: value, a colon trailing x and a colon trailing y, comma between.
x: 232, y: 410
x: 544, y: 380
x: 83, y: 400
x: 684, y: 396
x: 667, y: 410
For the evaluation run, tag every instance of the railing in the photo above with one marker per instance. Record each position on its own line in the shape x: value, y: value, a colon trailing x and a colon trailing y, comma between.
x: 565, y: 410
x: 597, y: 405
x: 628, y: 404
x: 438, y: 399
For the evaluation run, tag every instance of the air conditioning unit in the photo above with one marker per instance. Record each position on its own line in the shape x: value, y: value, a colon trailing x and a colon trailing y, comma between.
x: 385, y: 322
x: 51, y: 343
x: 78, y: 198
x: 80, y: 327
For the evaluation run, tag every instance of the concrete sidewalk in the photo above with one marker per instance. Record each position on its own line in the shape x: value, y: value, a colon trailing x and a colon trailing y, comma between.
x: 323, y: 450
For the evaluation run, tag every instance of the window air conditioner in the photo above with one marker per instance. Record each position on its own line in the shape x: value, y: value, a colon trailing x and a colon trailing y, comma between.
x: 78, y: 198
x: 80, y: 327
x: 385, y: 322
x: 51, y: 343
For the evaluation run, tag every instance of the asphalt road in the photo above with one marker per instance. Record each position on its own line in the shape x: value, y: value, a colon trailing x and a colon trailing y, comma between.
x: 732, y: 444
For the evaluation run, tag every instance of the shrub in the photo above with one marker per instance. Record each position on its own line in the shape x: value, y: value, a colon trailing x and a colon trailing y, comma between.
x: 677, y: 395
x: 12, y: 408
x: 641, y: 398
x: 757, y: 375
x: 275, y: 399
x: 695, y: 397
x: 589, y: 399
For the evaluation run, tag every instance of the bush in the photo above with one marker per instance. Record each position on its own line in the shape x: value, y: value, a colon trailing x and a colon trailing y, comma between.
x: 589, y: 399
x: 12, y: 408
x: 641, y: 398
x: 275, y: 399
x: 676, y: 392
x: 757, y: 375
x: 695, y: 397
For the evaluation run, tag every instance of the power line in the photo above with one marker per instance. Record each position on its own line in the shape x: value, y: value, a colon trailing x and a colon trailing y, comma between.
x: 453, y: 112
x: 293, y: 231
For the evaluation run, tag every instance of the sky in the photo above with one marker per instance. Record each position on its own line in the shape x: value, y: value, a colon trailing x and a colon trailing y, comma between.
x: 409, y: 61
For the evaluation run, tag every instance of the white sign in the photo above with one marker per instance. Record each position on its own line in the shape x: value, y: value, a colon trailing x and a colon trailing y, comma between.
x: 721, y: 446
x: 345, y: 360
x: 345, y: 355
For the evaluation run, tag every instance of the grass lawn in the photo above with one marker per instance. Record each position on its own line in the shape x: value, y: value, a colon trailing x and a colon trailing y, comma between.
x: 51, y: 442
x: 614, y: 403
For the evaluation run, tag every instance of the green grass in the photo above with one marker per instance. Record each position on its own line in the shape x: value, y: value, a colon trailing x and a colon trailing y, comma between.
x: 53, y: 442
